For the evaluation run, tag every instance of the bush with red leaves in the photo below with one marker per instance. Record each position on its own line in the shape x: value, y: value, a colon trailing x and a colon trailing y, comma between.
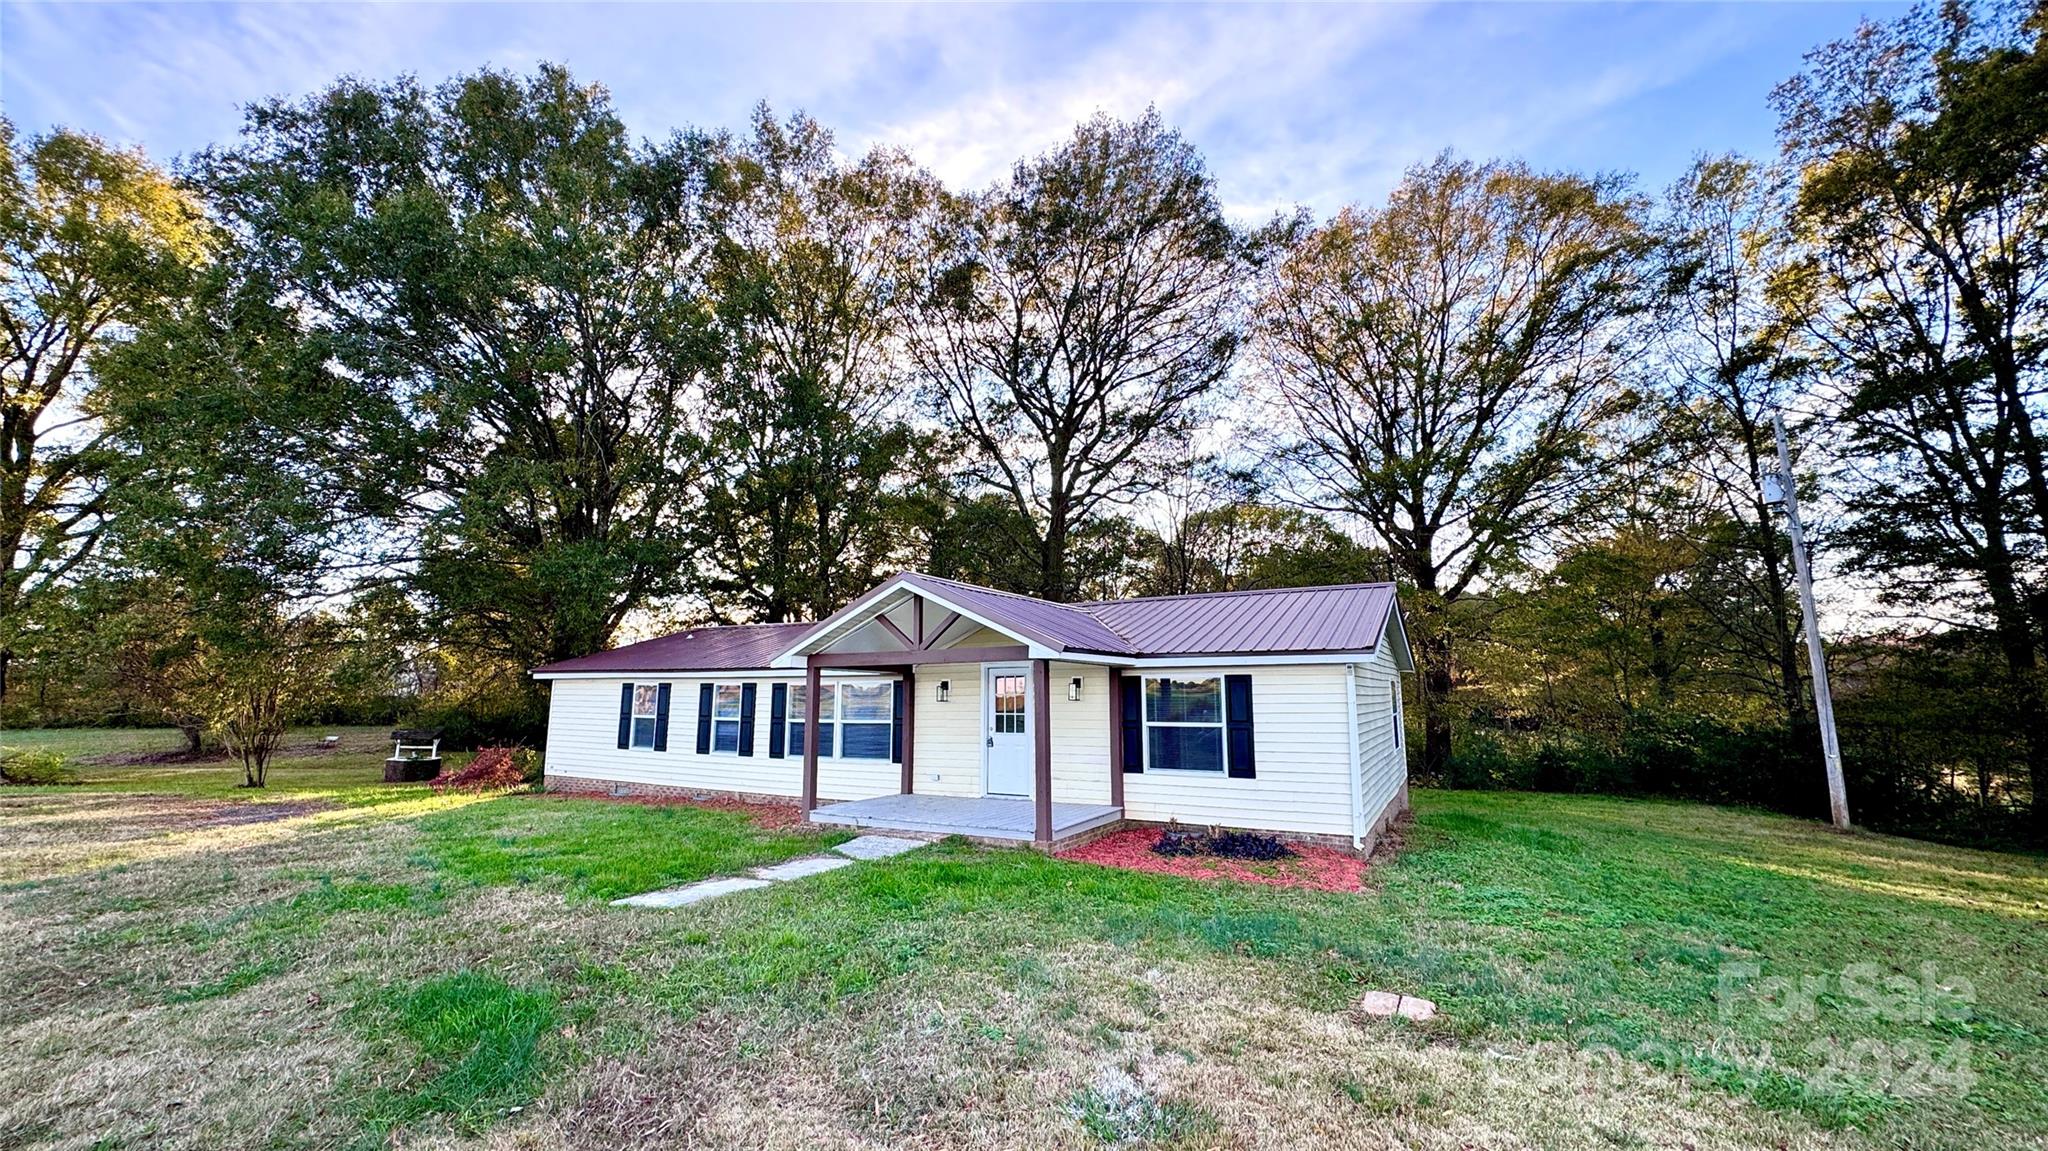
x: 492, y: 769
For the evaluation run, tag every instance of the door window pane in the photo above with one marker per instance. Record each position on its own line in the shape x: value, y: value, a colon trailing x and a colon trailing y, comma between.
x: 1009, y: 705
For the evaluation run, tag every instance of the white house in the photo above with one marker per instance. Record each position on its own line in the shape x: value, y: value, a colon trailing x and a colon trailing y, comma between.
x: 947, y: 707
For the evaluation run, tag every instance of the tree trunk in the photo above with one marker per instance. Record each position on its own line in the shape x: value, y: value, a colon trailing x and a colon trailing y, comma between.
x: 1052, y: 557
x: 1662, y: 671
x: 1433, y: 666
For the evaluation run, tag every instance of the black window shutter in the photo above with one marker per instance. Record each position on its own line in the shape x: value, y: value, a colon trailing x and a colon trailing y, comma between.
x: 896, y: 725
x: 1134, y: 723
x: 778, y: 718
x: 747, y: 718
x: 661, y: 719
x: 704, y: 719
x: 625, y: 715
x: 1237, y: 725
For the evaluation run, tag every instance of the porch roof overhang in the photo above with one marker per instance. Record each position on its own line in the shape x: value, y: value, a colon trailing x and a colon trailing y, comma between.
x: 963, y: 602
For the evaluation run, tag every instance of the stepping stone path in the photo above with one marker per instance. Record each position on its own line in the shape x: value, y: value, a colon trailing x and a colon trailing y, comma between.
x: 863, y: 847
x: 1382, y: 1004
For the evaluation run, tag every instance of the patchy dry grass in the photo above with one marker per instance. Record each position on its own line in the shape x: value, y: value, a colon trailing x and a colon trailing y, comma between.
x: 345, y: 964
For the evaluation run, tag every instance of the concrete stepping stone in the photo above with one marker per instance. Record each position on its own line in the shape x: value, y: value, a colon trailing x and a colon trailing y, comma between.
x: 798, y: 868
x: 878, y: 846
x: 864, y: 847
x: 692, y: 893
x: 1381, y: 1004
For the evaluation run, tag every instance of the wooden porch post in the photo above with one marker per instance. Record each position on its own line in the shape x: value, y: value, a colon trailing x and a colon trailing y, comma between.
x: 1041, y: 748
x: 810, y: 798
x: 1116, y: 737
x: 909, y: 783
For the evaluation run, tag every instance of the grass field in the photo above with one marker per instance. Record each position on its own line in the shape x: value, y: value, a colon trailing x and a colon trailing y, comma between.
x: 341, y: 963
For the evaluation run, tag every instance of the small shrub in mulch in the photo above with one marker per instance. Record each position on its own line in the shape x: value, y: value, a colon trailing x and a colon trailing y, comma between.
x: 1221, y: 844
x: 492, y: 769
x: 1308, y: 866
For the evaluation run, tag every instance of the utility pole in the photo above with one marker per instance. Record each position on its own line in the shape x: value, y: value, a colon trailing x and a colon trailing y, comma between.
x: 1779, y: 488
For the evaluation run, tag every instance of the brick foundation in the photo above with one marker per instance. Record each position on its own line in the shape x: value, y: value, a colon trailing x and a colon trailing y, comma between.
x: 620, y: 789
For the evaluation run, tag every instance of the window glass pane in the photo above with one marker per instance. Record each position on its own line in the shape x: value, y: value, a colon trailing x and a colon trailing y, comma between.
x: 796, y: 738
x: 865, y: 701
x: 725, y: 735
x: 797, y: 696
x: 828, y: 697
x: 646, y: 699
x: 643, y: 731
x: 864, y: 741
x: 1184, y: 700
x: 1009, y: 704
x: 726, y: 704
x: 1187, y: 748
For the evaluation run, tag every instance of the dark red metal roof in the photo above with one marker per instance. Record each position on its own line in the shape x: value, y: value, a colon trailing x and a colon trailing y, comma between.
x: 1067, y: 627
x: 1278, y: 621
x: 712, y: 648
x: 1347, y: 617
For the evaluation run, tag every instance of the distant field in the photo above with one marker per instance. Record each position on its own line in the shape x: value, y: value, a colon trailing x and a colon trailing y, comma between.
x: 350, y: 772
x: 92, y: 742
x: 337, y: 962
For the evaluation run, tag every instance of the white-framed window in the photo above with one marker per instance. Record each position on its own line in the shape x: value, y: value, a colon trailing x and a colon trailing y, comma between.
x: 1184, y: 723
x: 867, y: 714
x: 646, y: 713
x: 799, y: 713
x: 725, y: 719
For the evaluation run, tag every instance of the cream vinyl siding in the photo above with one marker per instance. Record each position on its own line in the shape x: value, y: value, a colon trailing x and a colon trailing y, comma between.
x: 1080, y: 734
x: 977, y: 637
x: 949, y: 734
x: 583, y: 738
x: 1301, y: 733
x: 1382, y: 767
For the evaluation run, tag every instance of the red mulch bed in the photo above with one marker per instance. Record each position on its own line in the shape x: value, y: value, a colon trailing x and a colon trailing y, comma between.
x: 1313, y: 867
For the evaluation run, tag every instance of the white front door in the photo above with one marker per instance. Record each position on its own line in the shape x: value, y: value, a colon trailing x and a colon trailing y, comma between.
x: 1007, y: 723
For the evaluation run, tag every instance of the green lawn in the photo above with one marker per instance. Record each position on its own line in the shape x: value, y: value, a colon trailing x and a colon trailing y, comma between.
x: 376, y: 965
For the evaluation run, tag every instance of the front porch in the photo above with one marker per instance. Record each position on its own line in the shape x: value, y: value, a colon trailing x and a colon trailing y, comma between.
x: 989, y: 818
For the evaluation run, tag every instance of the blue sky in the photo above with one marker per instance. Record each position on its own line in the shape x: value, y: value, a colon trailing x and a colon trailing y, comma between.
x: 1318, y: 105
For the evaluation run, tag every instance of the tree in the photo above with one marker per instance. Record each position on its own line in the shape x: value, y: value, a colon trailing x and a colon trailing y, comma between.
x: 93, y: 240
x: 809, y: 259
x: 1242, y: 544
x: 1923, y: 209
x: 1075, y: 318
x: 238, y: 521
x: 510, y: 291
x: 1442, y: 369
x: 1737, y: 357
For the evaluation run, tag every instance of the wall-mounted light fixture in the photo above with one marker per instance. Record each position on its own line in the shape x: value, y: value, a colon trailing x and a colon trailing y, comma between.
x: 945, y: 690
x: 1074, y: 688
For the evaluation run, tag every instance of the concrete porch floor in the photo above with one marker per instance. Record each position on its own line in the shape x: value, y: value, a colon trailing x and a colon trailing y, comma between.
x: 990, y: 817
